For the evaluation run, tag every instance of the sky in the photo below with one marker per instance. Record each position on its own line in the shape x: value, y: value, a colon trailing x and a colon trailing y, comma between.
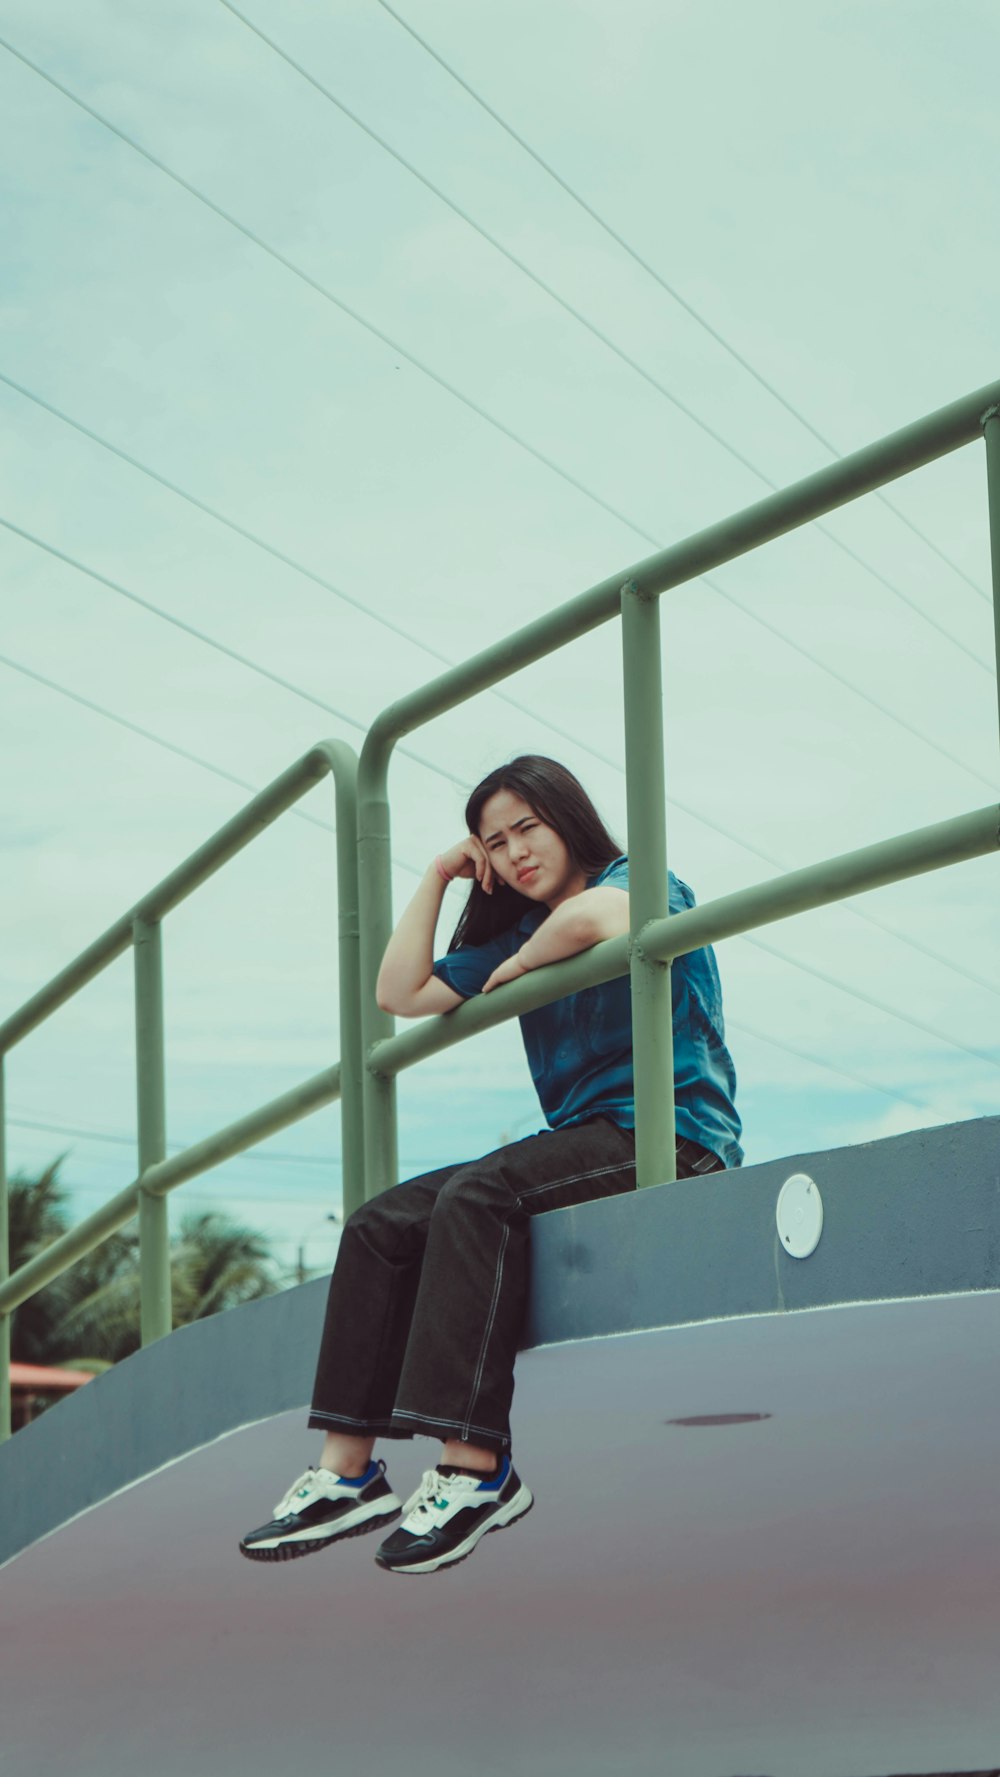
x: 358, y: 334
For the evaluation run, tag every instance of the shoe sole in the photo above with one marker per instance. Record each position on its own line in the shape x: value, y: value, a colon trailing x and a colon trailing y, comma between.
x: 290, y: 1551
x: 467, y: 1548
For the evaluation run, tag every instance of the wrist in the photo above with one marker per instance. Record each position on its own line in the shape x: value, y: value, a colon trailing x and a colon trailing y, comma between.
x: 441, y: 871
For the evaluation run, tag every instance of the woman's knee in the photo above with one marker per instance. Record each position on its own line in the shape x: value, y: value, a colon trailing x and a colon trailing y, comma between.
x: 471, y: 1188
x: 394, y: 1220
x: 363, y: 1220
x: 358, y: 1217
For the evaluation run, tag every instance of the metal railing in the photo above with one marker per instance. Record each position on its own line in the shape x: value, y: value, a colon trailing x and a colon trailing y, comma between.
x: 140, y: 928
x: 371, y: 1053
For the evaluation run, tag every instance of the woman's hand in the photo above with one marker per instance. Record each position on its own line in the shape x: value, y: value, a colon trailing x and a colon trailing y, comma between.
x: 470, y: 858
x: 511, y: 970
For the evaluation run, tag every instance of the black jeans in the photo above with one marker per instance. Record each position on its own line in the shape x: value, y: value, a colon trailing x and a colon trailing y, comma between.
x: 428, y: 1294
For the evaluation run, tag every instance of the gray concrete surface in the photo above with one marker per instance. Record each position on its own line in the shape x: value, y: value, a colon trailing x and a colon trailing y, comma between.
x: 811, y: 1591
x: 914, y: 1215
x: 813, y: 1594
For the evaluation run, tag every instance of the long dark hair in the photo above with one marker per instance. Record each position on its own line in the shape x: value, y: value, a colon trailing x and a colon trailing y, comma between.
x: 558, y: 799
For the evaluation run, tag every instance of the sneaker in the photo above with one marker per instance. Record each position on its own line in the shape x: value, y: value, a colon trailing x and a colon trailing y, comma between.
x: 445, y: 1518
x: 321, y: 1508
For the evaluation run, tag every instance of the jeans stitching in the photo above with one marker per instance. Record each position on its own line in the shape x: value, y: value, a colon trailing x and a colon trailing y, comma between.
x: 455, y: 1424
x: 466, y: 1426
x: 345, y: 1418
x: 576, y: 1178
x: 498, y: 1278
x: 551, y: 1184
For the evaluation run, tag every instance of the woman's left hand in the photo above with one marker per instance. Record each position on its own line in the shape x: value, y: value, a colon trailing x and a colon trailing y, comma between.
x: 508, y: 971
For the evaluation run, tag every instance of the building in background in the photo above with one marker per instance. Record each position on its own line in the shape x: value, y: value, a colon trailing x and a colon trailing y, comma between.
x: 34, y: 1386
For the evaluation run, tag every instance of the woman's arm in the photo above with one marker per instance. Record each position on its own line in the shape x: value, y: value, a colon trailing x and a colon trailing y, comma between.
x: 578, y: 923
x: 406, y: 982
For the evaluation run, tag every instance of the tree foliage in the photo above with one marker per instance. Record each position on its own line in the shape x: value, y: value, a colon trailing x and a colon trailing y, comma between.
x: 90, y: 1315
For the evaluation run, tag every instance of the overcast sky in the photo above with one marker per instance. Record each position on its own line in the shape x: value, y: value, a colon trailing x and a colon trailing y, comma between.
x: 447, y: 423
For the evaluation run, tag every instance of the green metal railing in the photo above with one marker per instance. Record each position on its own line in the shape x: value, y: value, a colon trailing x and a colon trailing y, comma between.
x: 371, y: 1053
x: 140, y: 928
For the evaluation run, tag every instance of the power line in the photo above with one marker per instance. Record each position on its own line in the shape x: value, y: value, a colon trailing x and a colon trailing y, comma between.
x: 610, y: 344
x: 199, y: 635
x: 161, y: 166
x: 412, y: 869
x: 413, y: 1168
x: 219, y: 1200
x: 395, y: 346
x: 169, y: 746
x: 253, y: 666
x: 314, y: 284
x: 484, y: 234
x: 130, y: 1141
x: 882, y: 925
x: 224, y: 1192
x: 155, y: 610
x: 411, y: 358
x: 231, y: 524
x: 868, y: 999
x: 270, y: 1199
x: 842, y: 679
x: 670, y: 289
x: 446, y: 659
x: 514, y: 703
x: 119, y: 1139
x: 605, y: 339
x: 292, y: 562
x: 157, y: 740
x: 829, y: 1066
x: 759, y: 944
x: 733, y: 1024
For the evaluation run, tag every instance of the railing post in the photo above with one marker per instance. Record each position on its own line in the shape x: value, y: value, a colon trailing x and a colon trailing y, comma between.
x: 991, y: 433
x: 156, y: 1316
x: 4, y: 1268
x: 375, y: 893
x: 652, y: 1009
x: 344, y: 765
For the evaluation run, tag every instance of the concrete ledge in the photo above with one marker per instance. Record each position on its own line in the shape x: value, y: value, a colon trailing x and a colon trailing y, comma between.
x: 914, y: 1215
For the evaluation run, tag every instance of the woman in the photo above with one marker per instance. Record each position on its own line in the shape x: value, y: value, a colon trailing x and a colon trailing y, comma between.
x: 427, y: 1297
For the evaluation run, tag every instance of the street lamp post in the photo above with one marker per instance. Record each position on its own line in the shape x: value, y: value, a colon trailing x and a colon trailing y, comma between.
x: 508, y: 1135
x: 300, y: 1269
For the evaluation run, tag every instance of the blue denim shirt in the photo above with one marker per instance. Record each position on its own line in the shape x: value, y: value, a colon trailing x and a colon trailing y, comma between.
x: 579, y: 1048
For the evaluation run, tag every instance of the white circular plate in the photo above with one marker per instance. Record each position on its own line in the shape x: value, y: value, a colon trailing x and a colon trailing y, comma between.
x: 799, y: 1215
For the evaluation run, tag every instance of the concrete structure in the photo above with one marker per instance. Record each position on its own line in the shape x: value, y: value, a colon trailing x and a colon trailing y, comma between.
x: 765, y: 1538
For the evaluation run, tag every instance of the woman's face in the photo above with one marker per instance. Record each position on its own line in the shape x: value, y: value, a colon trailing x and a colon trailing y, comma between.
x: 526, y: 853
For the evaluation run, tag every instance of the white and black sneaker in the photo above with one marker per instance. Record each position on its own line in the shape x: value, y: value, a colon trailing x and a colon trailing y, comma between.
x: 321, y: 1508
x: 449, y: 1513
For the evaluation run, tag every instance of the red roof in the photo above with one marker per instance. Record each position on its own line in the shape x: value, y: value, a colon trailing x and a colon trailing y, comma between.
x: 37, y: 1376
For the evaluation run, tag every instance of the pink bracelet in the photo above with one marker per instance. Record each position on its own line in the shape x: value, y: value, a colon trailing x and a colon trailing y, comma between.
x: 442, y: 872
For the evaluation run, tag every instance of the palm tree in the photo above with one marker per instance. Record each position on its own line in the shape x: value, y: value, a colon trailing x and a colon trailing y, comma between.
x: 37, y: 1215
x: 90, y: 1316
x: 100, y: 1308
x: 217, y: 1264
